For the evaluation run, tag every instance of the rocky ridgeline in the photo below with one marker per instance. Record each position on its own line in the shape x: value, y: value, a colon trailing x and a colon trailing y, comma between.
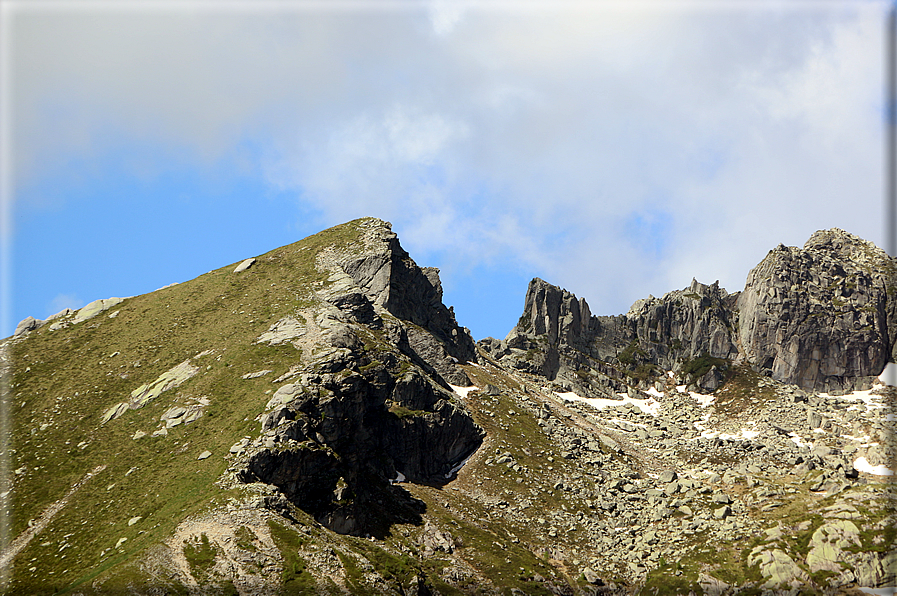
x: 823, y: 317
x: 704, y: 442
x: 369, y: 401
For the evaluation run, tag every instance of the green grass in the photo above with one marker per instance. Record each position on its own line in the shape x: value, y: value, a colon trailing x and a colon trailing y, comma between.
x: 700, y: 366
x: 663, y: 581
x: 631, y: 354
x: 741, y: 392
x: 295, y: 576
x: 354, y: 576
x: 245, y: 539
x: 66, y: 379
x: 200, y: 556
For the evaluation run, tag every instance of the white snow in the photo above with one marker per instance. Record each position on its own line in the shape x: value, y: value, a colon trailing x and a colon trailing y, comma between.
x: 702, y: 426
x: 878, y: 591
x: 863, y: 465
x: 650, y: 406
x: 397, y: 479
x: 745, y: 434
x: 866, y: 396
x: 799, y: 441
x: 463, y: 391
x: 454, y: 470
x: 862, y: 439
x: 654, y: 392
x: 889, y: 375
x: 703, y: 400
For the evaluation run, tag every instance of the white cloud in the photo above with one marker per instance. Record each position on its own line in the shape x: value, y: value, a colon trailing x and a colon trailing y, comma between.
x: 445, y: 15
x: 63, y: 301
x: 533, y: 136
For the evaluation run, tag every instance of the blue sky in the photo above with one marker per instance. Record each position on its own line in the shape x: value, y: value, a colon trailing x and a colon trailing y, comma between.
x: 615, y: 149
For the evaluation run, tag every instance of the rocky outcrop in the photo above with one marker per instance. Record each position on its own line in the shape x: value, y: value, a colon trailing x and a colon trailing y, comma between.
x: 823, y: 317
x: 361, y: 412
x: 376, y: 276
x: 558, y: 338
x: 333, y: 440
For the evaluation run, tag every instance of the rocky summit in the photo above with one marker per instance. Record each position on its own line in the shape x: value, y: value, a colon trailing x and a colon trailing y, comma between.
x: 314, y: 420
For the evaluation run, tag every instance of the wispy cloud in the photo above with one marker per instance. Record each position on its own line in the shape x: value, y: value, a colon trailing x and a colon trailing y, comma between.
x: 614, y: 151
x: 63, y: 301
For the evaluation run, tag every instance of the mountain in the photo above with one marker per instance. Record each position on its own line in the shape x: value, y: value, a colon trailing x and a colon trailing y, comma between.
x: 823, y: 317
x: 314, y: 420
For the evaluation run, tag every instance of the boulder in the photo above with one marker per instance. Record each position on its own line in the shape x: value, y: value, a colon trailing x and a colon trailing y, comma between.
x: 244, y: 265
x: 828, y: 542
x: 27, y: 324
x: 778, y: 568
x: 95, y: 308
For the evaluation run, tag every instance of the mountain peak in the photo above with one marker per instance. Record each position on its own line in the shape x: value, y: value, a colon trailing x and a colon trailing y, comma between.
x: 314, y: 420
x: 822, y: 317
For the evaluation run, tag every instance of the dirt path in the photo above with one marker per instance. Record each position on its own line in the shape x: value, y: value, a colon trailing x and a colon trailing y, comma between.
x: 38, y: 526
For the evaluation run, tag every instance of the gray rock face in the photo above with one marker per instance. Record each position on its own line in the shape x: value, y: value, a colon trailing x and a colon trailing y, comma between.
x: 359, y: 426
x: 557, y: 337
x: 819, y: 317
x: 360, y: 415
x: 391, y: 281
x: 685, y: 324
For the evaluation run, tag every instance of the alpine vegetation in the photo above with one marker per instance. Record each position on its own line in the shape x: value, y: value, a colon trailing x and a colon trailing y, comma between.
x: 314, y: 420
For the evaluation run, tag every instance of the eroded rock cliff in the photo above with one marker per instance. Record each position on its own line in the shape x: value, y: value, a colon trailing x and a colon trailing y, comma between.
x: 823, y: 317
x: 371, y: 402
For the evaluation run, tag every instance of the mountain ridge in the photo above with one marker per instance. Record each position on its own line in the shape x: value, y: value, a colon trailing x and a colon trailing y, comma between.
x: 314, y: 420
x: 817, y: 317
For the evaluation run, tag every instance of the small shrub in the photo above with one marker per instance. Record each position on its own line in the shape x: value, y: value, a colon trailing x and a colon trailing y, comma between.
x: 631, y: 354
x: 700, y: 366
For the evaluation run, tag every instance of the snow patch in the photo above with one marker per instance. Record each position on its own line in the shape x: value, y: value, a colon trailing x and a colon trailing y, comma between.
x: 650, y: 406
x: 799, y: 441
x: 888, y: 377
x: 745, y: 434
x: 702, y: 427
x: 863, y: 465
x: 399, y: 478
x: 866, y: 396
x: 463, y: 391
x: 703, y: 400
x: 654, y: 392
x: 454, y: 470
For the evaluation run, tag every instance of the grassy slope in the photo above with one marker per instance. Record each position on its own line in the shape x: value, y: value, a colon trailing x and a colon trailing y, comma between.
x: 161, y: 480
x: 73, y: 379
